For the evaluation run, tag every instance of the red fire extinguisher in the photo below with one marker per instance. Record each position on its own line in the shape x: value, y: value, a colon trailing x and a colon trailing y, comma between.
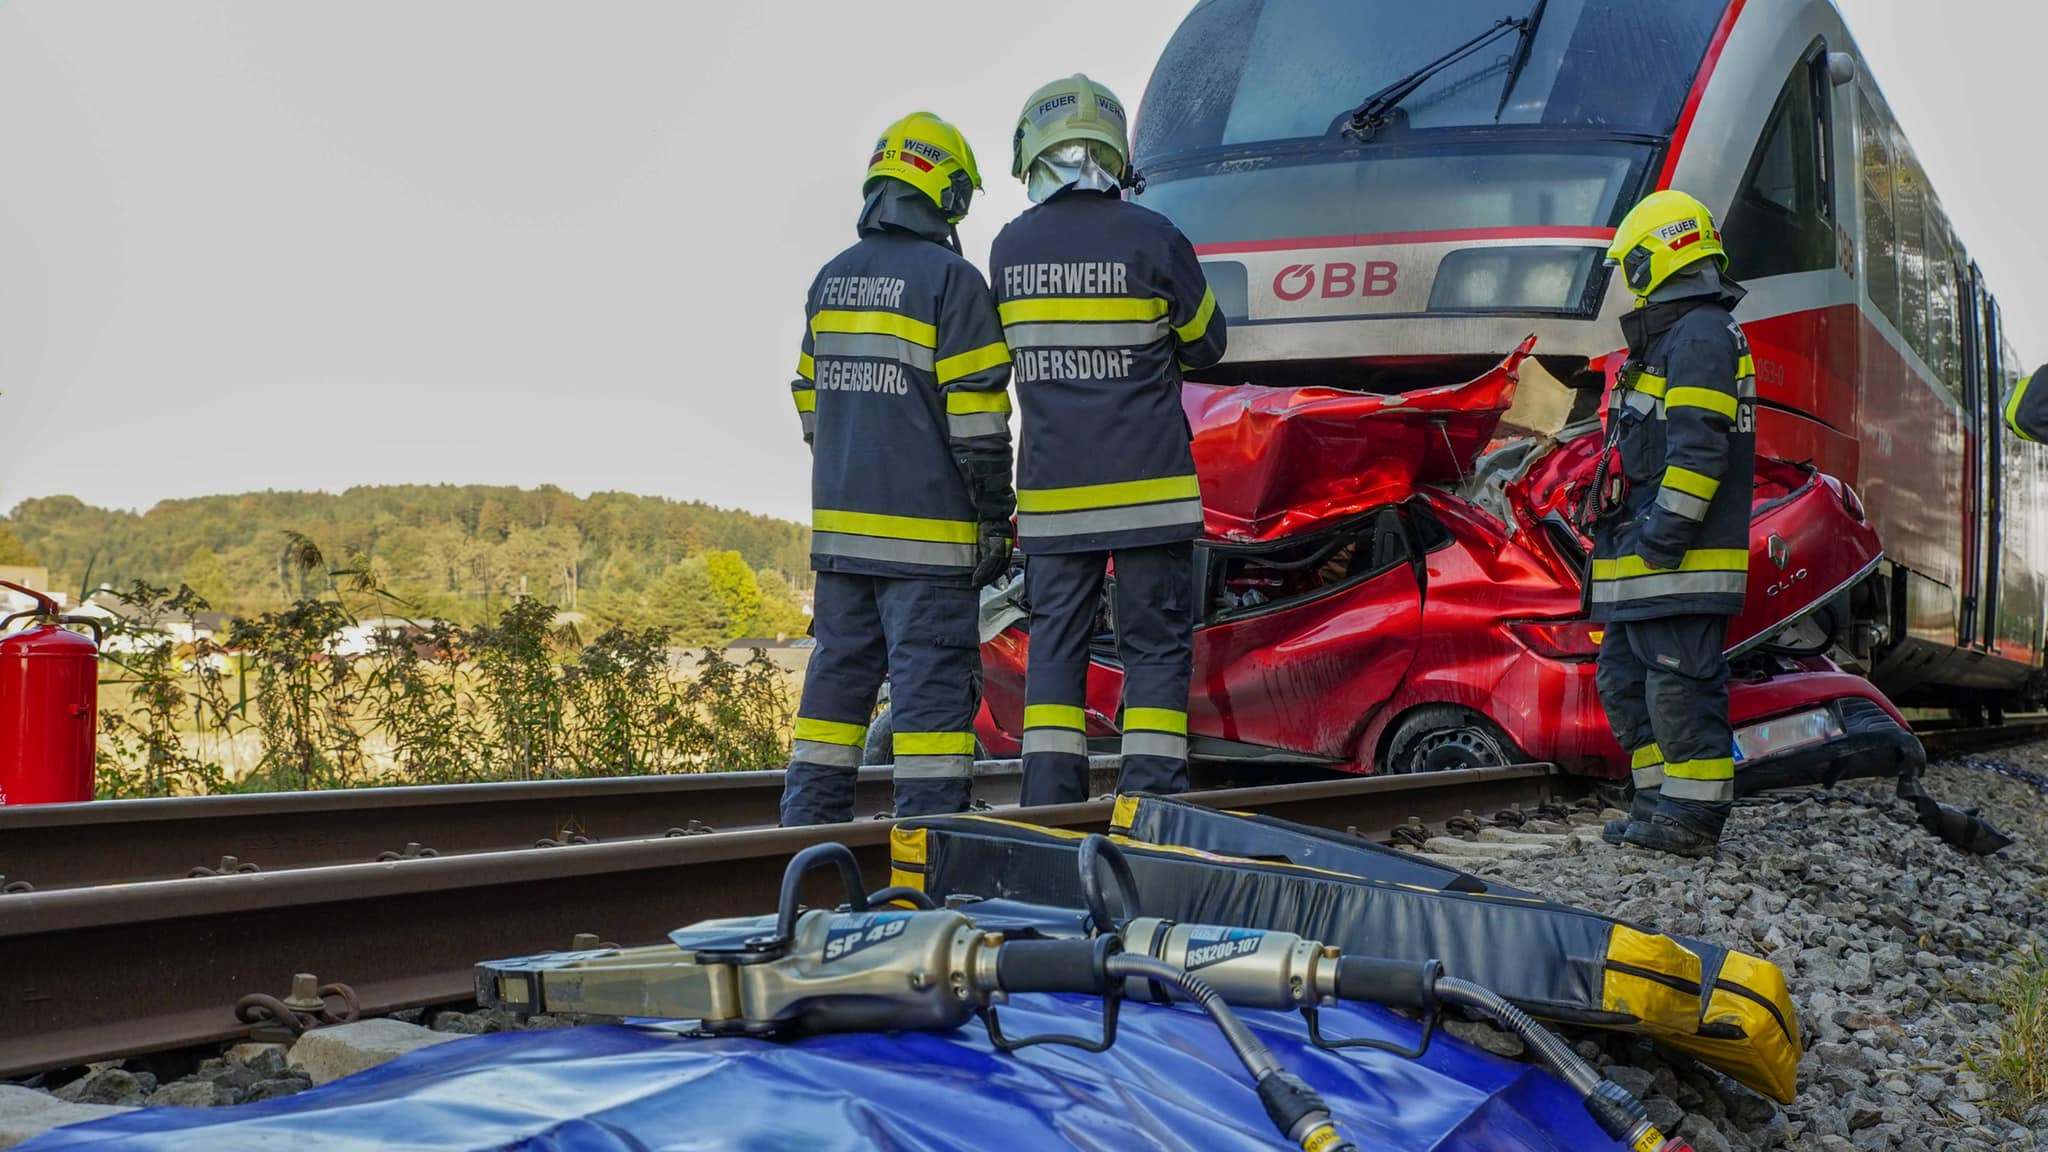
x: 49, y: 706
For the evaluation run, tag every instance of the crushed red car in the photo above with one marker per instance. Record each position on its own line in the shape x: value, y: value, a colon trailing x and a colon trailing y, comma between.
x: 1386, y: 588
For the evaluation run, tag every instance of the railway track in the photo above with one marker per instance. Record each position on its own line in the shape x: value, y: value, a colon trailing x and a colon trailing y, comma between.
x: 119, y: 969
x: 119, y: 949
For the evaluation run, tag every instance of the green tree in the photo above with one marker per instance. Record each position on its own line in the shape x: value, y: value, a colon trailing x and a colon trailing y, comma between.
x: 683, y: 602
x: 737, y: 593
x: 782, y: 614
x: 12, y: 550
x: 207, y: 576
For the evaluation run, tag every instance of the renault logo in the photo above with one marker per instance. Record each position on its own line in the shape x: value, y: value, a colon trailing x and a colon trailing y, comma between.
x: 1780, y: 552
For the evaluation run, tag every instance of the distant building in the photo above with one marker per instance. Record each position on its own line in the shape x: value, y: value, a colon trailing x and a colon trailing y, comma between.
x: 365, y: 636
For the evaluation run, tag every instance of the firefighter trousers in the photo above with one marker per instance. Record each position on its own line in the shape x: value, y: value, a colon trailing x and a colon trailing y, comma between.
x: 1664, y: 685
x: 1154, y: 619
x: 921, y: 634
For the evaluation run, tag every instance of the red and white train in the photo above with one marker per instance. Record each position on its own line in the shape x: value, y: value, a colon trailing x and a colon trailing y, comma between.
x: 1472, y: 207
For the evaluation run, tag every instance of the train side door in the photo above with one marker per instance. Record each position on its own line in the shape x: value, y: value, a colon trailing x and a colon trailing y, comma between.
x: 1973, y: 514
x: 1992, y: 474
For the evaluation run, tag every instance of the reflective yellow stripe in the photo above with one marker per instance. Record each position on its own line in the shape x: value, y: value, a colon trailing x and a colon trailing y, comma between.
x: 1745, y: 366
x: 1697, y: 560
x: 1048, y: 309
x: 1648, y: 756
x: 806, y: 399
x: 933, y: 743
x: 968, y: 403
x: 1156, y: 720
x: 1055, y: 716
x: 1108, y: 495
x: 1193, y: 329
x: 1123, y: 814
x: 1706, y: 398
x: 2012, y: 408
x: 1691, y: 483
x: 830, y: 732
x: 968, y: 363
x: 805, y: 366
x: 1650, y: 385
x: 1720, y: 768
x: 893, y: 527
x: 882, y: 323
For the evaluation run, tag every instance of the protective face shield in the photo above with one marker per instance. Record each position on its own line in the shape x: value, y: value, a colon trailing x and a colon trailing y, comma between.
x: 1085, y: 164
x: 1665, y: 232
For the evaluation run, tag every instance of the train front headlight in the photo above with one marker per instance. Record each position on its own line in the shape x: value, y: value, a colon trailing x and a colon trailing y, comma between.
x: 1543, y: 278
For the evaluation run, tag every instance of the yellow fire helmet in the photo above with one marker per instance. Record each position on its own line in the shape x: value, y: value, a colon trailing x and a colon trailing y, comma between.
x: 1072, y: 109
x: 1663, y: 233
x: 931, y: 156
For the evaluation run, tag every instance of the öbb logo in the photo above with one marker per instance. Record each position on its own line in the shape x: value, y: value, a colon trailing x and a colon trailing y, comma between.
x: 1372, y: 278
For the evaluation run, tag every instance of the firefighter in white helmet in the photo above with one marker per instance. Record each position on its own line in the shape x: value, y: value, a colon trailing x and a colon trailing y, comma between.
x: 1103, y: 304
x: 1671, y: 542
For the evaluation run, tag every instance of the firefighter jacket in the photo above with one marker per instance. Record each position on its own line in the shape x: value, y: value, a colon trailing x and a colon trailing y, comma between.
x: 1683, y: 416
x: 1103, y: 303
x: 901, y: 389
x: 2026, y: 409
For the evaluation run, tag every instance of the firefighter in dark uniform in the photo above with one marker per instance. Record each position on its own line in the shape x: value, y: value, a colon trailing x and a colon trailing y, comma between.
x: 901, y: 388
x: 2026, y: 410
x: 1102, y: 303
x: 1671, y: 545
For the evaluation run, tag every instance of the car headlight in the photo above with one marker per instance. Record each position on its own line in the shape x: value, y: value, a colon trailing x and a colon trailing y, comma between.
x: 1519, y: 279
x: 1784, y: 733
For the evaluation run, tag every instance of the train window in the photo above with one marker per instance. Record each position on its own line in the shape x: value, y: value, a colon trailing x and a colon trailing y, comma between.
x: 1909, y: 212
x: 1782, y: 218
x: 1942, y: 336
x: 1880, y: 239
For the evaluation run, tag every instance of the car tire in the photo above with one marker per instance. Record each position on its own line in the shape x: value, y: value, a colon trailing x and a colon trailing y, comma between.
x: 1445, y: 737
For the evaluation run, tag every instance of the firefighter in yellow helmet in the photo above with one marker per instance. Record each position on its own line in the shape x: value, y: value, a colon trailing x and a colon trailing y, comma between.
x: 1671, y: 538
x: 901, y: 388
x: 1103, y: 304
x: 2026, y: 410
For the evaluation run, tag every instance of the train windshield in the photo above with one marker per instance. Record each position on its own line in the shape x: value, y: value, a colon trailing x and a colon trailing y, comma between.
x: 1248, y: 72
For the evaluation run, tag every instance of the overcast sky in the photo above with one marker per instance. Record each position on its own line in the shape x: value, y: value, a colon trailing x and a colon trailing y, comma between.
x: 316, y: 243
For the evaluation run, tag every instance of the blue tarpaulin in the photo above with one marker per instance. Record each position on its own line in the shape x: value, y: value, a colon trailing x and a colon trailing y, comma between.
x: 1170, y: 1082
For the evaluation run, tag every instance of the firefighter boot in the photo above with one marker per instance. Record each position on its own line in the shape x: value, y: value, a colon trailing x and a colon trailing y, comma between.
x: 1641, y: 807
x: 1681, y: 827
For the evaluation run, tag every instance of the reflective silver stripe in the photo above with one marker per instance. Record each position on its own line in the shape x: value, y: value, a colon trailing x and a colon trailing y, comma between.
x: 1642, y: 402
x: 1648, y: 778
x: 1684, y: 789
x: 1103, y: 334
x: 830, y: 755
x: 1668, y: 584
x: 977, y: 424
x: 1745, y: 388
x: 875, y: 344
x: 1681, y: 503
x: 810, y: 420
x: 1156, y: 744
x: 924, y: 552
x: 933, y: 767
x: 1125, y: 519
x: 1064, y: 740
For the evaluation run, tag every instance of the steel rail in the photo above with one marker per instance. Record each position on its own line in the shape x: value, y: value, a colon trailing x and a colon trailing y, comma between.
x: 54, y: 846
x: 117, y: 970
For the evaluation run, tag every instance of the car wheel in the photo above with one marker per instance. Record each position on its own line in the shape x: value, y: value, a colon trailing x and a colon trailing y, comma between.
x: 1445, y: 738
x: 881, y: 745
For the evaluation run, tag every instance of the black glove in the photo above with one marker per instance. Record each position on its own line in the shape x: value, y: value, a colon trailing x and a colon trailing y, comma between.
x: 992, y: 553
x: 989, y: 489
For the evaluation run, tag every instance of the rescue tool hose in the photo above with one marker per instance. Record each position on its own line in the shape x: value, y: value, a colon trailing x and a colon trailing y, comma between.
x: 1618, y: 1113
x: 1295, y: 1108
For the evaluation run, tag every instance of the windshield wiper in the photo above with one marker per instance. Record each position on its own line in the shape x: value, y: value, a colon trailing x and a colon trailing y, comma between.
x: 1373, y: 115
x: 1521, y: 60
